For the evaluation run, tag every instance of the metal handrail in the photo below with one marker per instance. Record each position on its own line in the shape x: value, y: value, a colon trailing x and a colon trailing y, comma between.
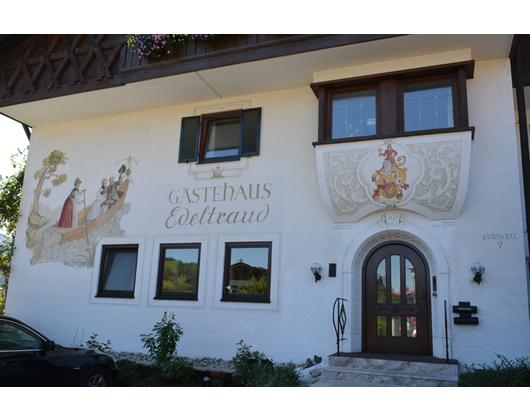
x: 340, y: 323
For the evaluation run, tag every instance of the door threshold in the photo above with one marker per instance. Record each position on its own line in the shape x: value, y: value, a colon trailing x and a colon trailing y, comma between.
x: 401, y: 357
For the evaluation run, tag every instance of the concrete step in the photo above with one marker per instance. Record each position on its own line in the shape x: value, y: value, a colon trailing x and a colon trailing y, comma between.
x: 389, y: 370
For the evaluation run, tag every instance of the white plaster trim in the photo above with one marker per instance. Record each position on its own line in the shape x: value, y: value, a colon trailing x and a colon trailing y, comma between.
x: 218, y: 170
x: 352, y: 279
x: 222, y: 107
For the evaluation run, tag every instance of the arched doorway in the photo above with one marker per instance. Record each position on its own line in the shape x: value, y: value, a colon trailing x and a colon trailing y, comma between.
x: 396, y: 303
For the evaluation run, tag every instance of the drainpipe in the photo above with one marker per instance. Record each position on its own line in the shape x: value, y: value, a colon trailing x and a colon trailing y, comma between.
x: 517, y: 58
x: 26, y: 130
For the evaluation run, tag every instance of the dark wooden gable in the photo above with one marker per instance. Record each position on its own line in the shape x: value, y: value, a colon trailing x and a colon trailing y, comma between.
x: 41, y: 64
x: 35, y: 67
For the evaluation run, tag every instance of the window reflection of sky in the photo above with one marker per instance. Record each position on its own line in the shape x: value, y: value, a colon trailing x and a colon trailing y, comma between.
x: 256, y: 257
x: 185, y: 255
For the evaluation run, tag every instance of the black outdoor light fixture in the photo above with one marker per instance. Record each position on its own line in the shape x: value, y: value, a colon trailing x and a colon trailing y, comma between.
x: 478, y: 269
x: 316, y: 269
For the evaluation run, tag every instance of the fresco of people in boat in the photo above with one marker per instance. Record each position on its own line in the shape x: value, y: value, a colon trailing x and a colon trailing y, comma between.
x: 56, y: 234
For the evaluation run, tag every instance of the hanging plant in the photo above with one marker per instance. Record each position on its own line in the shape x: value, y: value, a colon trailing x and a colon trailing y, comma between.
x: 154, y: 45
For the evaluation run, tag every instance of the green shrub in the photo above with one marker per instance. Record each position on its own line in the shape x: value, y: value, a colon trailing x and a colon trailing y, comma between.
x: 177, y: 371
x: 127, y: 373
x: 162, y: 342
x: 253, y: 369
x: 242, y: 363
x: 274, y: 375
x: 92, y: 343
x: 507, y: 373
x: 169, y: 369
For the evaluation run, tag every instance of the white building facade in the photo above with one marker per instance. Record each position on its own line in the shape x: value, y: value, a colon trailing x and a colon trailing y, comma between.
x: 394, y: 164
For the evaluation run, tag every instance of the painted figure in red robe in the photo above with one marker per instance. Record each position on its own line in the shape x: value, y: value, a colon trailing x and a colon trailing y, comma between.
x: 68, y: 217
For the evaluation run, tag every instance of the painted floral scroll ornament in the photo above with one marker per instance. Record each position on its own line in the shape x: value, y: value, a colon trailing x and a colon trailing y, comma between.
x: 423, y: 174
x: 345, y: 191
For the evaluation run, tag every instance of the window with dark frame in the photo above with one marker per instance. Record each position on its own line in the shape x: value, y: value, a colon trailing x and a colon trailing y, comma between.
x: 247, y: 272
x: 178, y: 272
x: 220, y: 137
x: 117, y: 275
x: 413, y: 102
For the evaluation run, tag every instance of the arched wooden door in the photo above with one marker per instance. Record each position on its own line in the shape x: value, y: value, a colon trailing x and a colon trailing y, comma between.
x: 396, y: 301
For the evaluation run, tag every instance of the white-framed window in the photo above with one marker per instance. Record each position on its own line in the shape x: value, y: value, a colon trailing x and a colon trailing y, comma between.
x: 118, y: 264
x: 178, y: 271
x: 257, y: 254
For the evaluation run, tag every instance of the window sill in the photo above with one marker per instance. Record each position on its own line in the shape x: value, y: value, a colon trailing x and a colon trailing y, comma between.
x: 226, y: 169
x: 183, y: 298
x: 246, y: 300
x: 397, y: 135
x: 114, y: 296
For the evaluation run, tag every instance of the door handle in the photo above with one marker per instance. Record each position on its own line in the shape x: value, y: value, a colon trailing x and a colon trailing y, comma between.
x: 9, y: 365
x: 422, y: 297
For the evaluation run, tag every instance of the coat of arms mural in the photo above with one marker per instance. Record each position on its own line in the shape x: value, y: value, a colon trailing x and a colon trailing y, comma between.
x: 424, y: 174
x: 390, y: 179
x: 69, y: 232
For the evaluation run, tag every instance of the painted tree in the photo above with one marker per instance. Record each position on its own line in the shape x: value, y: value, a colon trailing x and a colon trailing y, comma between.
x: 48, y: 170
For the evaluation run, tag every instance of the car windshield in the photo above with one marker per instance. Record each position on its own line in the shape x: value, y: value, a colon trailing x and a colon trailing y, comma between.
x: 16, y: 337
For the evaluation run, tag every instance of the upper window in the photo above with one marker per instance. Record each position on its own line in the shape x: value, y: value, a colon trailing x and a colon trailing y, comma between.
x: 247, y: 272
x: 178, y: 276
x: 353, y: 114
x: 428, y: 105
x: 117, y: 275
x: 418, y: 101
x: 220, y: 137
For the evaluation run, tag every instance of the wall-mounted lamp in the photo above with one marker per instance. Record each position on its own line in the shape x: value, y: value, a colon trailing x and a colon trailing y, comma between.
x: 478, y: 269
x: 316, y: 270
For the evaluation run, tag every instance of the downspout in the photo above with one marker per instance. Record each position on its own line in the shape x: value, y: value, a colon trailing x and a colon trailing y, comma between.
x: 523, y: 137
x: 26, y: 130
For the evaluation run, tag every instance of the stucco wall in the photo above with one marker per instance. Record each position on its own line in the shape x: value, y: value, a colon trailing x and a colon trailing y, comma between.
x: 59, y: 299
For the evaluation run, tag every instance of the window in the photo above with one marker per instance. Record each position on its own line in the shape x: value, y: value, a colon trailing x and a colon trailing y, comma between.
x: 220, y: 137
x: 418, y: 101
x: 247, y: 272
x: 353, y: 114
x: 428, y: 105
x: 16, y: 337
x: 178, y: 275
x: 117, y: 275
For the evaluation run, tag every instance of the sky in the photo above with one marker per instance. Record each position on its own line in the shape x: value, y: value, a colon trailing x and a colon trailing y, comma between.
x: 12, y: 137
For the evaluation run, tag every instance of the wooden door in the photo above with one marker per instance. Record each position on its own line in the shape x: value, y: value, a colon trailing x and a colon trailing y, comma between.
x: 396, y: 301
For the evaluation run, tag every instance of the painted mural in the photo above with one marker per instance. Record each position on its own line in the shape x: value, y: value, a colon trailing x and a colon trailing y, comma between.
x: 426, y: 175
x: 390, y: 179
x: 70, y: 231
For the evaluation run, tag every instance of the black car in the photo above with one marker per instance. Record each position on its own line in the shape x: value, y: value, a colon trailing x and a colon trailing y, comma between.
x: 28, y: 358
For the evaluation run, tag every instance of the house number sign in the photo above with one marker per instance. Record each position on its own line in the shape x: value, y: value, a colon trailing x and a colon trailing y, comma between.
x: 499, y: 238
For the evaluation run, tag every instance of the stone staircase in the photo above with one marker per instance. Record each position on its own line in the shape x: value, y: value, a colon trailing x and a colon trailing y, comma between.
x: 370, y: 369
